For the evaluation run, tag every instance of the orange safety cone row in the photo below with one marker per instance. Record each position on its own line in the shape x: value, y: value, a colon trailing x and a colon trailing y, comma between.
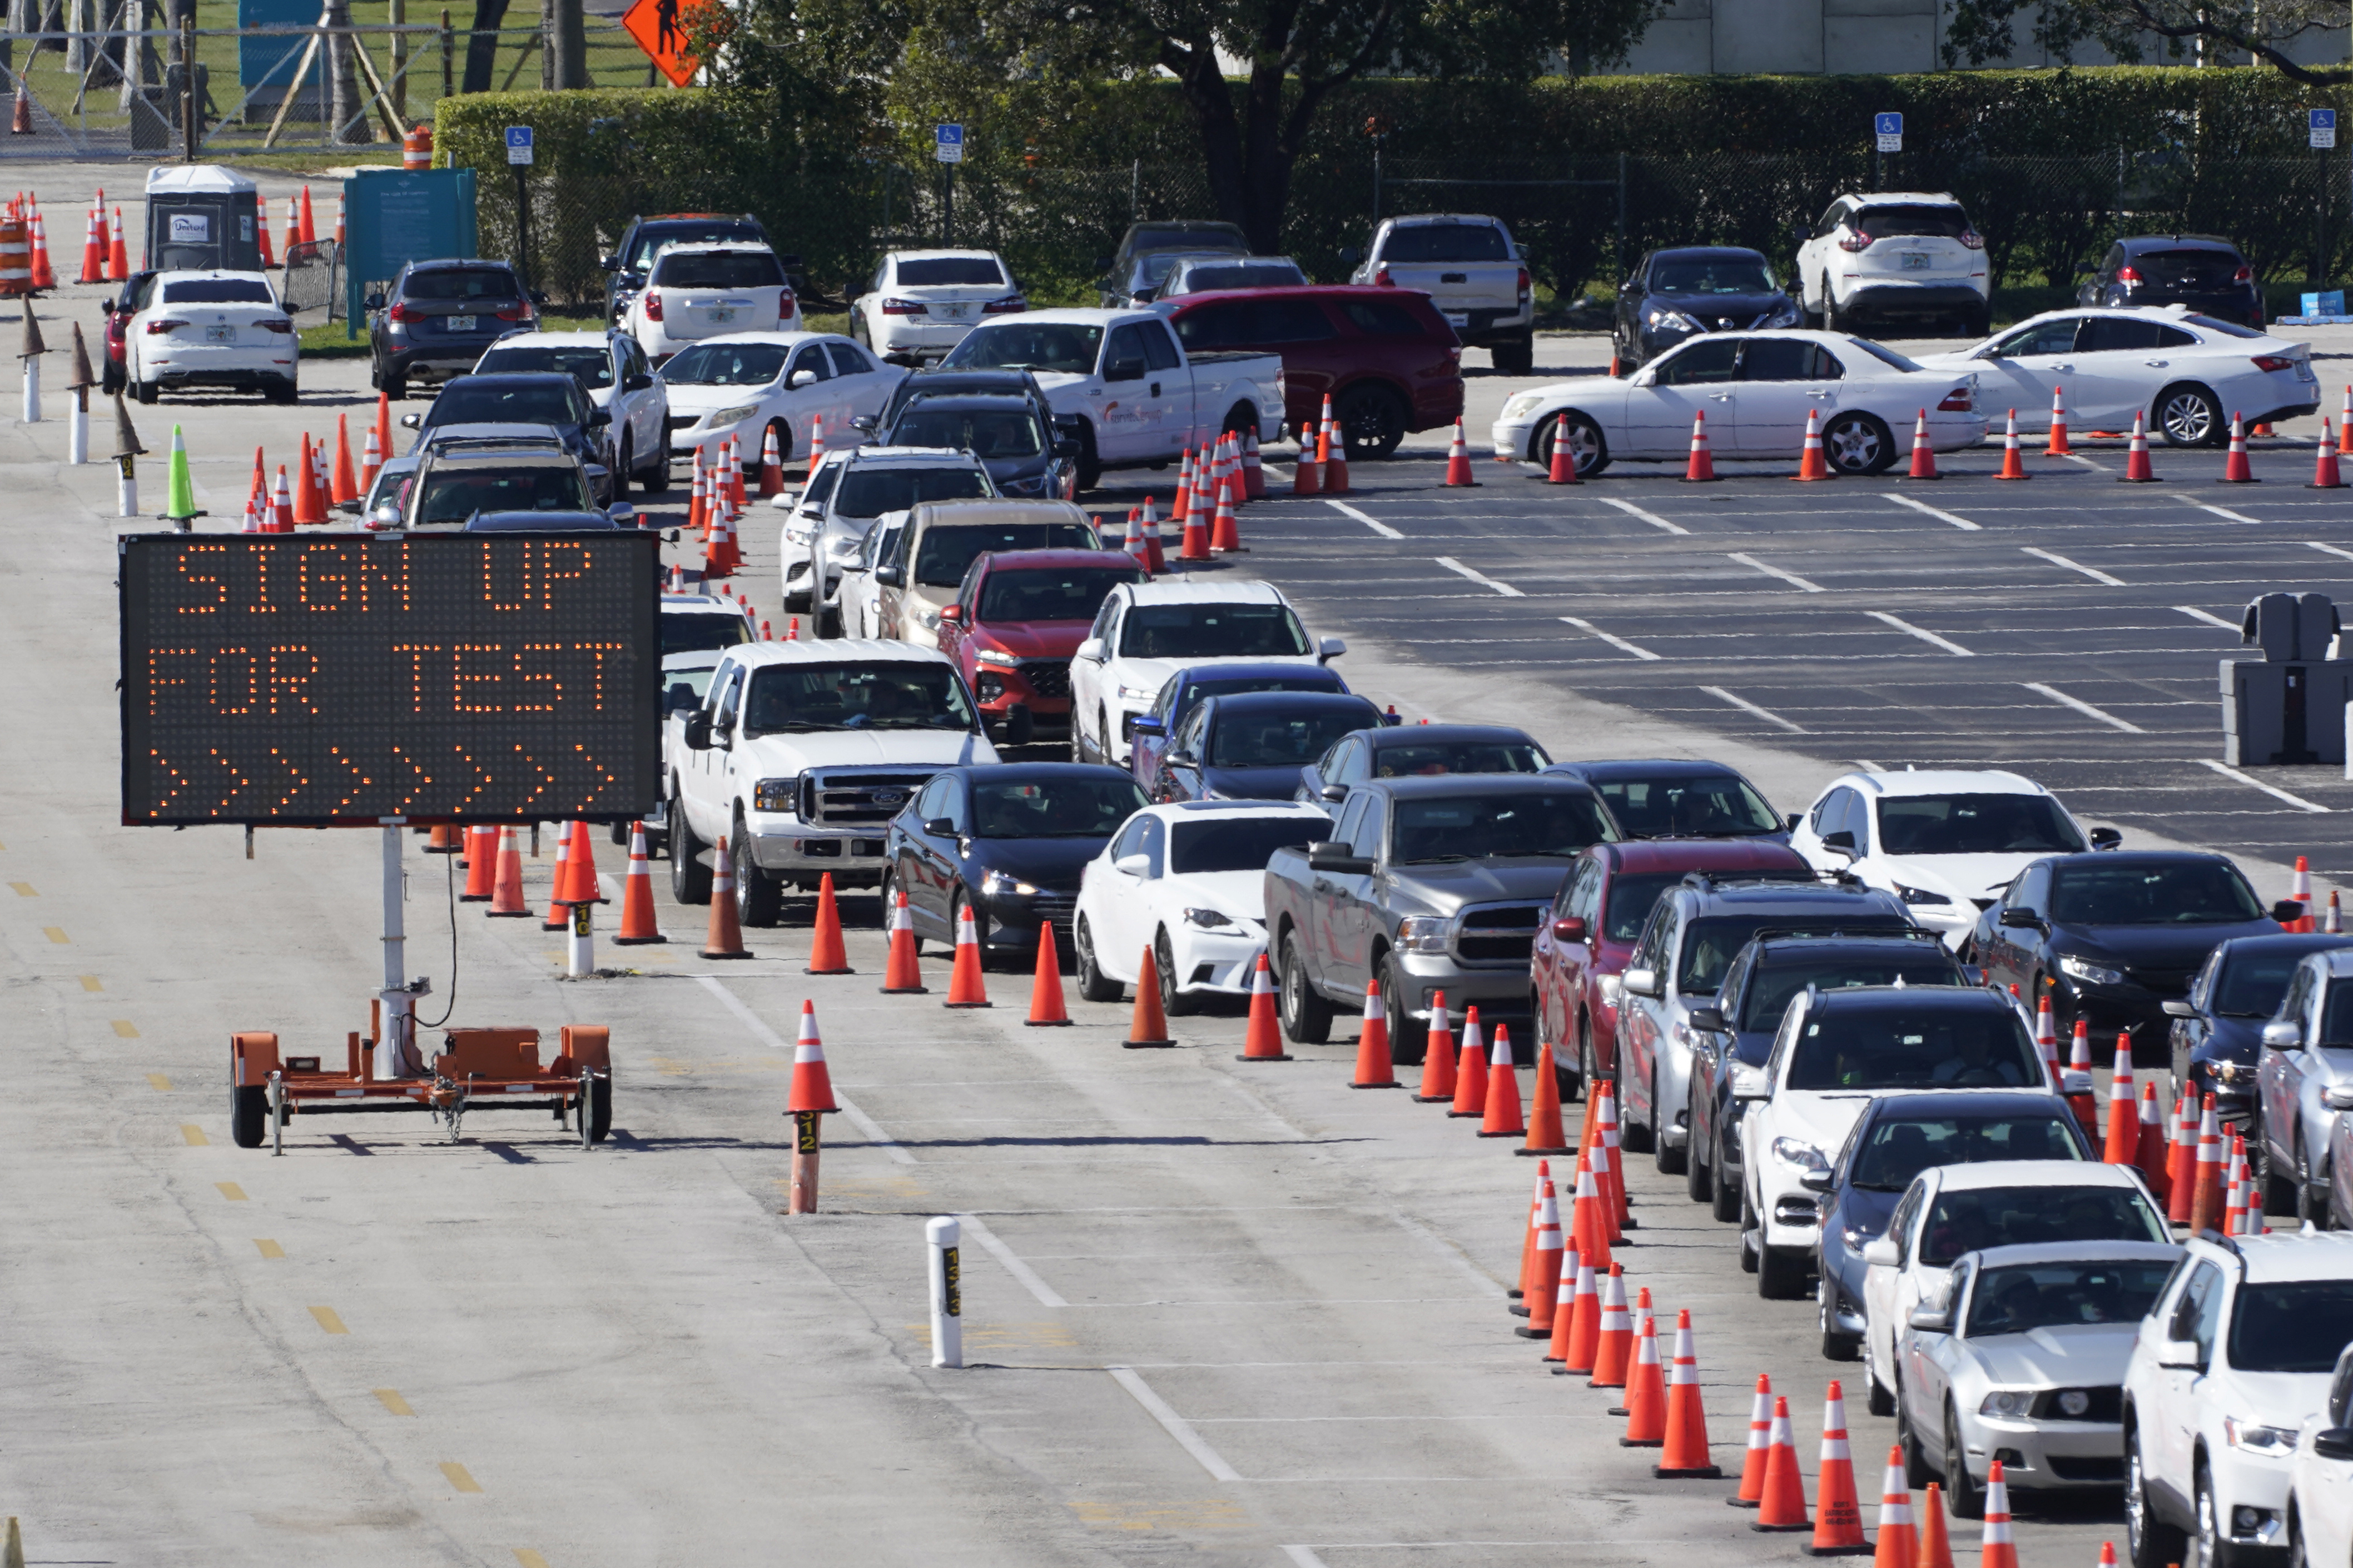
x: 2123, y: 1146
x: 1458, y: 460
x: 1812, y: 464
x: 559, y: 887
x: 481, y: 855
x: 2235, y: 469
x: 343, y: 483
x: 2206, y: 1178
x: 1564, y: 457
x: 1898, y: 1545
x: 1838, y: 1509
x: 2137, y: 469
x: 1685, y: 1455
x: 506, y: 893
x: 1935, y: 1551
x: 1924, y: 455
x: 1226, y: 537
x: 1701, y: 468
x: 1613, y: 1351
x: 1545, y: 1134
x: 1048, y: 1009
x: 637, y: 927
x: 2057, y: 446
x: 118, y: 253
x: 2001, y: 1551
x: 1646, y: 1386
x: 1438, y: 1056
x: 1543, y: 1285
x: 903, y: 973
x: 1374, y: 1068
x: 812, y: 1086
x: 1760, y: 1436
x: 1147, y: 1027
x: 1500, y: 1116
x: 1470, y: 1069
x: 827, y: 954
x: 725, y: 938
x: 1781, y: 1502
x: 966, y: 988
x: 2013, y: 464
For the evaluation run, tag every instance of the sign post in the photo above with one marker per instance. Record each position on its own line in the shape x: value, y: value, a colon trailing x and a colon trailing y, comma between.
x: 1888, y: 129
x: 2320, y: 130
x: 520, y: 155
x: 947, y: 146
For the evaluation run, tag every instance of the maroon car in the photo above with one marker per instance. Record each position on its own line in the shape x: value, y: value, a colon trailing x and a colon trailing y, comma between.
x: 1584, y: 944
x: 1386, y: 357
x: 1017, y: 620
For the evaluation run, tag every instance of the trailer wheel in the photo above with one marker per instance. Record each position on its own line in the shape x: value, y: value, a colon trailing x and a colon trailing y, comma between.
x: 600, y: 1108
x: 249, y: 1115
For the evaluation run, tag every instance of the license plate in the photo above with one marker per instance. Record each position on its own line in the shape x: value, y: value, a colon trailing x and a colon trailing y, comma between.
x: 459, y: 323
x: 220, y: 335
x: 722, y: 313
x: 1914, y: 261
x: 952, y: 313
x: 1458, y: 318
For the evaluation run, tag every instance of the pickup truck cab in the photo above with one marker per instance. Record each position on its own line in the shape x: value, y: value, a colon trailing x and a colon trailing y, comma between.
x: 799, y: 754
x: 920, y: 578
x: 1471, y: 269
x: 1139, y: 397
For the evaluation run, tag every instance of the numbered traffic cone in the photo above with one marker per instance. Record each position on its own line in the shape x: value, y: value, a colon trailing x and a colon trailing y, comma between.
x: 1685, y: 1457
x: 1544, y: 1278
x: 118, y: 253
x: 1760, y: 1437
x: 1458, y: 460
x: 2150, y: 1148
x: 1935, y: 1551
x: 1197, y: 537
x: 1811, y: 462
x: 1374, y: 1068
x: 1646, y: 1385
x: 812, y: 1086
x: 1470, y: 1069
x: 1924, y: 455
x: 343, y: 483
x: 2055, y: 448
x: 1147, y: 1026
x: 827, y: 954
x: 966, y: 988
x: 1499, y: 1115
x: 903, y: 973
x: 1837, y: 1510
x: 1545, y: 1134
x: 1262, y: 1040
x: 2235, y: 471
x: 2122, y: 1147
x: 1153, y: 560
x: 370, y: 460
x: 2206, y: 1183
x: 1781, y: 1504
x: 93, y: 249
x: 2137, y: 469
x: 559, y: 887
x: 1306, y: 470
x: 1564, y: 457
x: 1048, y: 1010
x: 506, y: 894
x: 1438, y: 1056
x: 1899, y: 1543
x: 2014, y: 464
x: 481, y: 846
x: 637, y: 927
x: 2181, y: 1161
x: 724, y: 939
x: 1226, y: 538
x: 1701, y: 468
x: 1253, y: 471
x: 2001, y: 1551
x: 1613, y: 1350
x: 1335, y: 452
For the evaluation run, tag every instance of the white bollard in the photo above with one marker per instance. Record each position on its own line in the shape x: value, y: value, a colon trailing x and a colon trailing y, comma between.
x: 77, y: 428
x: 947, y: 1293
x: 583, y: 942
x: 126, y: 488
x: 32, y: 389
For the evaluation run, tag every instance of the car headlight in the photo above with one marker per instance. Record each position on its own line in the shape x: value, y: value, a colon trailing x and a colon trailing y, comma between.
x: 998, y: 885
x: 1137, y: 693
x: 994, y: 656
x: 775, y: 795
x: 2013, y: 1403
x: 2232, y: 1073
x: 1856, y: 1238
x: 1674, y: 320
x: 800, y: 532
x: 844, y: 547
x: 2251, y: 1438
x: 1207, y: 919
x: 2074, y: 1403
x: 928, y: 619
x: 1920, y: 895
x: 1422, y: 933
x: 1521, y: 405
x: 735, y: 415
x: 1798, y: 1154
x: 1029, y: 487
x: 1785, y: 316
x: 2090, y: 973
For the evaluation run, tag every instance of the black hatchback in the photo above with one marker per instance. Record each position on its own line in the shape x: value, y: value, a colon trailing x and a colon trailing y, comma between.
x: 2199, y: 270
x: 437, y: 317
x: 1678, y: 294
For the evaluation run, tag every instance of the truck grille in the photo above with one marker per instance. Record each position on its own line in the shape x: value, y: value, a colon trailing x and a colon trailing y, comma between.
x: 858, y: 797
x: 1047, y: 677
x: 1497, y: 933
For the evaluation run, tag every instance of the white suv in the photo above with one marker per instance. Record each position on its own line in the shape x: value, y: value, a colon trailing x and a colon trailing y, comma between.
x: 701, y: 291
x: 828, y: 518
x: 1946, y: 843
x: 1891, y: 255
x: 2235, y: 1356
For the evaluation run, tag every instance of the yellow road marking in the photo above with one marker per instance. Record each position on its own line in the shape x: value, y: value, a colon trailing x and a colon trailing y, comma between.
x: 236, y: 1193
x: 394, y: 1402
x: 527, y: 1558
x: 459, y: 1479
x: 269, y: 1249
x: 195, y: 1134
x: 90, y: 983
x: 328, y: 1320
x: 57, y: 934
x: 125, y: 1029
x: 1209, y: 1513
x: 25, y: 889
x: 159, y: 1083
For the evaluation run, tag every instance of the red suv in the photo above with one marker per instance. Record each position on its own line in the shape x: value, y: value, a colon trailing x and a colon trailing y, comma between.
x: 1386, y: 357
x: 1017, y: 620
x: 1597, y: 917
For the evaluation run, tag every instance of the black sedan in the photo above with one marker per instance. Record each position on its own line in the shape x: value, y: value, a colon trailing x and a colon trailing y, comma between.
x: 2217, y: 1032
x: 1676, y: 295
x: 1416, y: 751
x: 1009, y: 842
x: 2117, y: 936
x: 1670, y: 797
x: 2199, y: 270
x: 1026, y: 457
x: 549, y: 398
x: 1249, y: 745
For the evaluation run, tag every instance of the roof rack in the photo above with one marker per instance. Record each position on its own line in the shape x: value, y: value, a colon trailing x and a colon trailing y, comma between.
x: 1804, y: 933
x: 1708, y: 881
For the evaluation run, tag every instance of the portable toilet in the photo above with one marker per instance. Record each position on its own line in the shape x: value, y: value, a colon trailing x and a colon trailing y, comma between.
x: 201, y: 217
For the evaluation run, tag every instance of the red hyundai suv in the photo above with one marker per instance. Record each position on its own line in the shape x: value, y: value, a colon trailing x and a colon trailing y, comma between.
x: 1386, y: 357
x: 1585, y: 941
x: 1018, y: 617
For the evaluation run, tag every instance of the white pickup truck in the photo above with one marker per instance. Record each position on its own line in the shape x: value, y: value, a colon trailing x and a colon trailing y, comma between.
x: 1471, y: 272
x: 1140, y: 397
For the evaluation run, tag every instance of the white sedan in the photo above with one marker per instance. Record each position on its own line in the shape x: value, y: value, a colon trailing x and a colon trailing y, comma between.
x: 1757, y: 390
x: 704, y: 290
x: 618, y: 378
x: 1189, y: 881
x: 921, y: 303
x: 746, y: 385
x: 210, y: 328
x: 2186, y: 374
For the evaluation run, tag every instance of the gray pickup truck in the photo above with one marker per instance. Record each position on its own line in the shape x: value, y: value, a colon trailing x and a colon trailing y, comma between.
x: 1426, y: 885
x: 1471, y: 271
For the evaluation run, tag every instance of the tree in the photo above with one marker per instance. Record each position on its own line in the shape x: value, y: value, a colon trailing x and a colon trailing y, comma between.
x: 1981, y: 30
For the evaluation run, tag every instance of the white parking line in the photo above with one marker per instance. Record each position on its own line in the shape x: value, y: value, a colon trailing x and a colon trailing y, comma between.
x: 1376, y: 524
x: 1654, y: 518
x: 1791, y: 577
x: 775, y: 1042
x: 2195, y: 613
x: 1592, y: 630
x: 1303, y: 1557
x: 2230, y: 773
x: 1720, y: 695
x: 1481, y: 578
x: 2079, y: 457
x: 2220, y: 511
x: 2327, y: 548
x: 1046, y: 1294
x: 1940, y: 516
x: 1867, y: 766
x: 1175, y: 1424
x: 2080, y: 706
x: 1904, y: 626
x: 2058, y: 560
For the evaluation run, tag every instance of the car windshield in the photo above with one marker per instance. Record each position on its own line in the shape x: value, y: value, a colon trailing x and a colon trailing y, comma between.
x: 1975, y: 1218
x: 983, y: 432
x: 1709, y: 945
x: 2298, y: 1326
x: 218, y: 292
x: 1885, y: 356
x: 1011, y: 595
x: 947, y: 552
x: 460, y: 283
x: 591, y: 364
x: 465, y: 401
x: 726, y: 364
x: 1239, y: 844
x: 2252, y: 982
x: 1911, y: 222
x: 2182, y: 892
x: 871, y: 491
x: 1053, y: 808
x: 1890, y: 1046
x: 2187, y: 265
x: 1977, y: 825
x: 718, y: 270
x: 1242, y: 275
x: 1687, y: 807
x: 453, y: 495
x: 1195, y: 691
x: 1153, y: 267
x: 1211, y: 631
x: 1429, y: 832
x: 1898, y: 1148
x: 1278, y: 739
x: 695, y: 631
x: 1430, y: 759
x: 1027, y: 345
x: 950, y: 272
x: 2055, y: 1295
x: 1771, y: 985
x: 1446, y: 242
x: 787, y: 699
x: 1720, y: 275
x: 684, y: 690
x: 1632, y: 895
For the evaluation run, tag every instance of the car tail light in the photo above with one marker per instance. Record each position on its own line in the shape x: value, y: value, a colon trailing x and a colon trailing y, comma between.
x: 2262, y: 362
x: 1971, y: 239
x: 785, y: 305
x: 1381, y: 278
x: 2246, y: 274
x: 1011, y: 304
x: 1523, y: 282
x: 1854, y: 241
x: 275, y: 325
x: 515, y: 313
x: 653, y: 305
x: 905, y: 308
x: 1958, y: 401
x: 2128, y: 277
x: 400, y: 312
x: 156, y: 328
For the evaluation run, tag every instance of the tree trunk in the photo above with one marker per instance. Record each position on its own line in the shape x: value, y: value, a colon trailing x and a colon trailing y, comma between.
x: 482, y: 44
x: 567, y: 44
x: 348, y: 108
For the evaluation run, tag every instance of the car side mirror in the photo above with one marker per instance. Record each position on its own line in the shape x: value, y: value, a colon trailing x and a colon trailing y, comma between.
x: 372, y: 302
x: 2020, y: 918
x: 1329, y: 648
x: 610, y: 264
x: 799, y: 379
x: 1333, y: 794
x: 1351, y: 256
x: 1750, y: 1083
x: 1789, y: 823
x: 1146, y: 725
x: 412, y: 421
x: 348, y: 507
x: 1932, y: 1320
x: 2175, y: 1007
x: 1879, y: 1252
x: 1102, y: 264
x: 623, y: 514
x: 2334, y: 1442
x: 1092, y: 650
x: 599, y: 417
x: 940, y: 827
x: 1339, y: 859
x: 1066, y: 447
x: 1815, y: 1181
x: 1123, y: 370
x: 2182, y: 1355
x: 1842, y: 840
x: 2287, y: 909
x: 2106, y: 838
x: 697, y: 733
x: 1133, y: 864
x: 863, y: 424
x: 1568, y: 927
x: 1709, y: 1020
x: 2283, y: 1034
x: 1181, y: 758
x: 636, y: 381
x: 539, y: 296
x: 891, y: 576
x: 951, y: 613
x: 385, y: 516
x: 1643, y: 983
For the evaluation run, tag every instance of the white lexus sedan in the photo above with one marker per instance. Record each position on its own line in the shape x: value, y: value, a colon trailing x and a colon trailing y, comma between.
x: 1757, y: 390
x: 747, y: 384
x: 2188, y: 373
x: 211, y: 329
x: 921, y: 303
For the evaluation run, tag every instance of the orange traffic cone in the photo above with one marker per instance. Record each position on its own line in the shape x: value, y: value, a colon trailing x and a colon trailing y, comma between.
x: 2001, y: 1551
x: 1470, y: 1069
x: 965, y: 985
x: 45, y: 275
x: 1154, y: 562
x: 2325, y: 475
x: 1544, y: 1278
x: 482, y: 846
x: 698, y: 495
x: 2181, y: 1161
x: 735, y: 491
x: 1613, y: 1350
x: 2079, y: 1073
x: 2056, y: 447
x: 1182, y: 506
x: 384, y: 424
x: 2137, y: 469
x: 2344, y: 425
x: 281, y: 505
x: 506, y: 895
x: 1564, y: 458
x: 2300, y: 892
x: 812, y: 1087
x: 587, y: 888
x: 2124, y: 1112
x: 1924, y: 455
x: 1583, y: 1345
x: 1253, y: 471
x: 1225, y: 537
x: 290, y: 236
x: 1545, y: 1134
x: 637, y: 927
x: 1197, y: 537
x: 1458, y: 460
x: 1564, y: 1309
x: 310, y: 230
x: 1838, y: 1511
x: 2235, y: 471
x: 1528, y: 1240
x: 2046, y: 1038
x: 559, y: 888
x: 343, y: 484
x: 1611, y: 1176
x: 725, y: 938
x: 310, y: 506
x: 1438, y: 1056
x: 1760, y: 1436
x: 903, y: 974
x: 442, y: 840
x: 2206, y: 1179
x: 1589, y: 1220
x: 2153, y: 1149
x: 1899, y: 1543
x: 1374, y: 1068
x: 93, y: 249
x: 2013, y: 464
x: 826, y: 955
x: 1811, y: 462
x: 1046, y: 1008
x: 118, y: 253
x: 1701, y: 469
x: 1646, y: 1386
x: 1147, y: 1026
x: 772, y: 464
x: 338, y: 220
x: 1306, y: 471
x: 1500, y: 1116
x: 370, y: 460
x: 1685, y: 1457
x: 1262, y: 1041
x: 1781, y: 1504
x: 1334, y: 449
x: 1935, y: 1551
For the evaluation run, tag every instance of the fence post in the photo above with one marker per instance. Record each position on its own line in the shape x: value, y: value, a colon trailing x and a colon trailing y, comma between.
x: 1135, y: 191
x: 192, y: 113
x: 449, y: 57
x: 396, y: 13
x: 1620, y: 256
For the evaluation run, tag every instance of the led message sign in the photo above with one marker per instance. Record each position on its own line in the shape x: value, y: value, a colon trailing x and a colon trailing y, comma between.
x: 328, y: 678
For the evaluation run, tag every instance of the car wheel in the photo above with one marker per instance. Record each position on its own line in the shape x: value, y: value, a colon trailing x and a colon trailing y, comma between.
x: 1917, y: 1471
x: 1633, y: 1137
x: 2188, y: 416
x: 395, y: 387
x: 1586, y: 1068
x: 1176, y: 1003
x: 2297, y: 1555
x: 248, y: 1114
x: 1372, y: 422
x: 147, y: 391
x: 1669, y: 1161
x: 2148, y: 1540
x: 1408, y: 1036
x: 2312, y: 1198
x: 1837, y: 1345
x: 1699, y: 1175
x: 656, y: 478
x: 759, y: 895
x: 1102, y: 739
x: 1858, y: 444
x: 1517, y: 357
x: 1306, y: 1016
x: 1962, y: 1493
x: 1585, y: 443
x: 1093, y: 984
x: 1726, y: 1205
x: 689, y: 879
x: 1829, y: 313
x: 2213, y: 1549
x: 1876, y: 1399
x: 1780, y: 1273
x: 1978, y: 322
x: 889, y: 892
x: 1749, y: 1228
x: 2281, y: 1195
x: 621, y: 468
x: 285, y: 389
